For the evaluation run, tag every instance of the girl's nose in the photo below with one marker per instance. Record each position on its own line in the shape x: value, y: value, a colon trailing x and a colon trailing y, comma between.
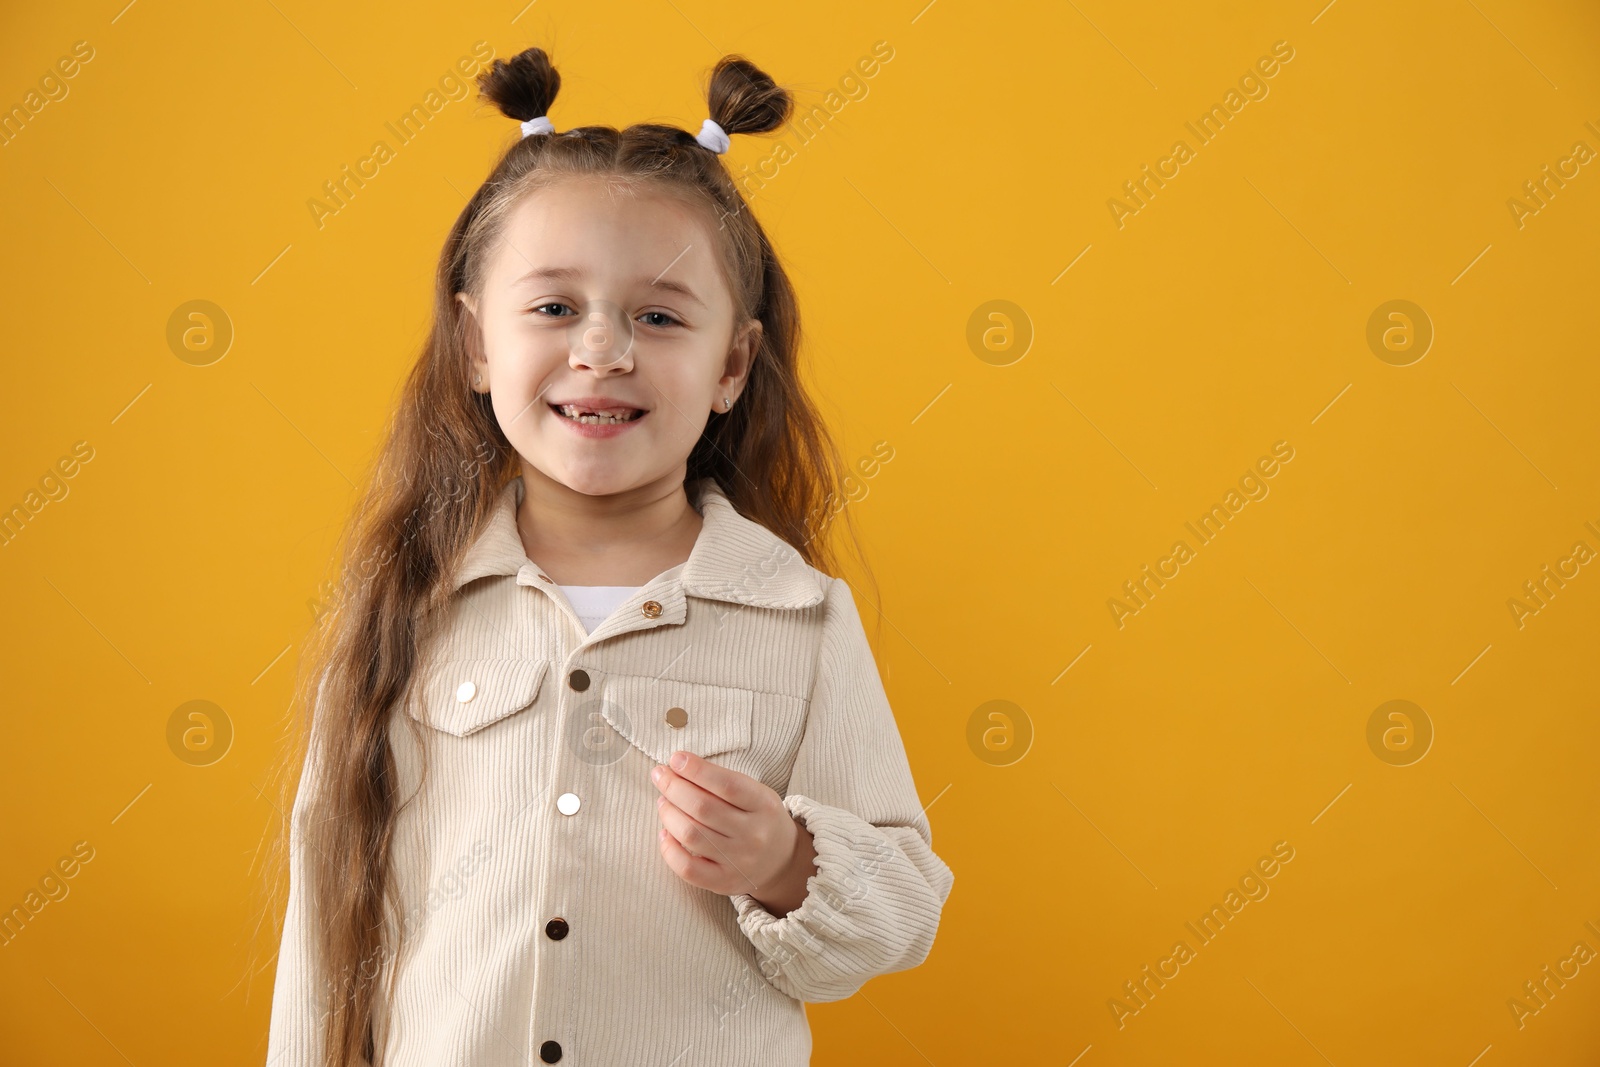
x: 601, y: 337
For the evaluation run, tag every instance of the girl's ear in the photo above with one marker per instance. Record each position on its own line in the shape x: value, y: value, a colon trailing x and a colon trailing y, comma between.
x: 742, y: 356
x: 480, y: 363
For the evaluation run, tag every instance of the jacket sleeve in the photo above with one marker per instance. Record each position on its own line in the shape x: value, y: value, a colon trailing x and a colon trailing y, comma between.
x: 299, y: 995
x: 873, y: 905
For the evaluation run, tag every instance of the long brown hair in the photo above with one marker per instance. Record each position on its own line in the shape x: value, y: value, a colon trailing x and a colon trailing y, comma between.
x: 442, y: 464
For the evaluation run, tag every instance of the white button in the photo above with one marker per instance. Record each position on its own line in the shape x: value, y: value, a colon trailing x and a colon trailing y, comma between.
x: 567, y: 803
x: 466, y: 691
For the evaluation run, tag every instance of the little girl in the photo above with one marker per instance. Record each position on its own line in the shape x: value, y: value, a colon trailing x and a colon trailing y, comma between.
x: 601, y: 769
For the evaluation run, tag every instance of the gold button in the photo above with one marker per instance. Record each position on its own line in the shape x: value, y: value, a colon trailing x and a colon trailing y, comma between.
x: 652, y: 609
x: 677, y: 718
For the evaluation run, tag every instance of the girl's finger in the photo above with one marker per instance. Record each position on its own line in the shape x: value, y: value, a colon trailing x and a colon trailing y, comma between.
x: 733, y: 788
x: 704, y: 807
x: 692, y: 869
x: 696, y: 838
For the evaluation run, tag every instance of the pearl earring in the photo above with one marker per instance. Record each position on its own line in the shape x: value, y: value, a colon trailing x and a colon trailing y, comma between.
x: 726, y: 403
x: 477, y: 379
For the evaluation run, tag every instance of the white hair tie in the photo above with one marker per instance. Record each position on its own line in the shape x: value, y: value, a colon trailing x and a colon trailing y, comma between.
x: 542, y: 124
x: 713, y: 137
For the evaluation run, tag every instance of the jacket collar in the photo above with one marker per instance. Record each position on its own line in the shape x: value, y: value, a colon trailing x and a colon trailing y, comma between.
x: 734, y: 559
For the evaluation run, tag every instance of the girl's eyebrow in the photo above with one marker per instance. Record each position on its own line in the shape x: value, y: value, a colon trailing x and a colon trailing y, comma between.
x: 567, y: 274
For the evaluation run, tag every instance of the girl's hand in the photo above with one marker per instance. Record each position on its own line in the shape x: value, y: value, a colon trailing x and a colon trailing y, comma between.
x: 726, y: 832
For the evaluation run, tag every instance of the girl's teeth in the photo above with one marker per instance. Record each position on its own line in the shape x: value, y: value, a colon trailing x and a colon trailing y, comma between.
x: 597, y: 419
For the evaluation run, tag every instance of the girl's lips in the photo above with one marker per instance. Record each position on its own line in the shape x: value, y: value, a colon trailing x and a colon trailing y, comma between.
x: 597, y: 429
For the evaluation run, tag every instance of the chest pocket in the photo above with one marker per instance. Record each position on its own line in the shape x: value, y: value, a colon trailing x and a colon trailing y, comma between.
x: 660, y: 716
x: 462, y: 696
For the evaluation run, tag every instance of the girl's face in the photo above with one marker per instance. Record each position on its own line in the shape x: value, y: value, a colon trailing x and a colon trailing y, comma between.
x: 605, y: 297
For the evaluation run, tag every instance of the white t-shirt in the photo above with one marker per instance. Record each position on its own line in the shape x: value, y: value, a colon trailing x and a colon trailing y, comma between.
x: 595, y: 603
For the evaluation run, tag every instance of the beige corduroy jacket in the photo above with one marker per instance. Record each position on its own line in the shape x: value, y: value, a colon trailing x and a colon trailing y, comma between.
x: 542, y: 924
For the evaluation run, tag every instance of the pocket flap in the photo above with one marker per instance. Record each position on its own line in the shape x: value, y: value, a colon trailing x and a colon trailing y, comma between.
x: 462, y: 696
x: 660, y: 716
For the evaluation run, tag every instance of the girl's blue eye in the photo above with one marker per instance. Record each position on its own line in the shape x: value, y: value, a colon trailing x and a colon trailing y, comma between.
x: 670, y: 321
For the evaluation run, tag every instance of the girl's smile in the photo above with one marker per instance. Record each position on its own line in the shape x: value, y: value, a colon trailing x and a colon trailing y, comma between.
x: 597, y: 416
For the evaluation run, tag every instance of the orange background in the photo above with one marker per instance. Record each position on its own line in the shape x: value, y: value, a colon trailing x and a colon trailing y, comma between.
x: 1228, y: 313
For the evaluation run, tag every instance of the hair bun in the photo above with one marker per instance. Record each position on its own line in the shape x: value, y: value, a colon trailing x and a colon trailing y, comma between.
x: 522, y: 87
x: 744, y: 99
